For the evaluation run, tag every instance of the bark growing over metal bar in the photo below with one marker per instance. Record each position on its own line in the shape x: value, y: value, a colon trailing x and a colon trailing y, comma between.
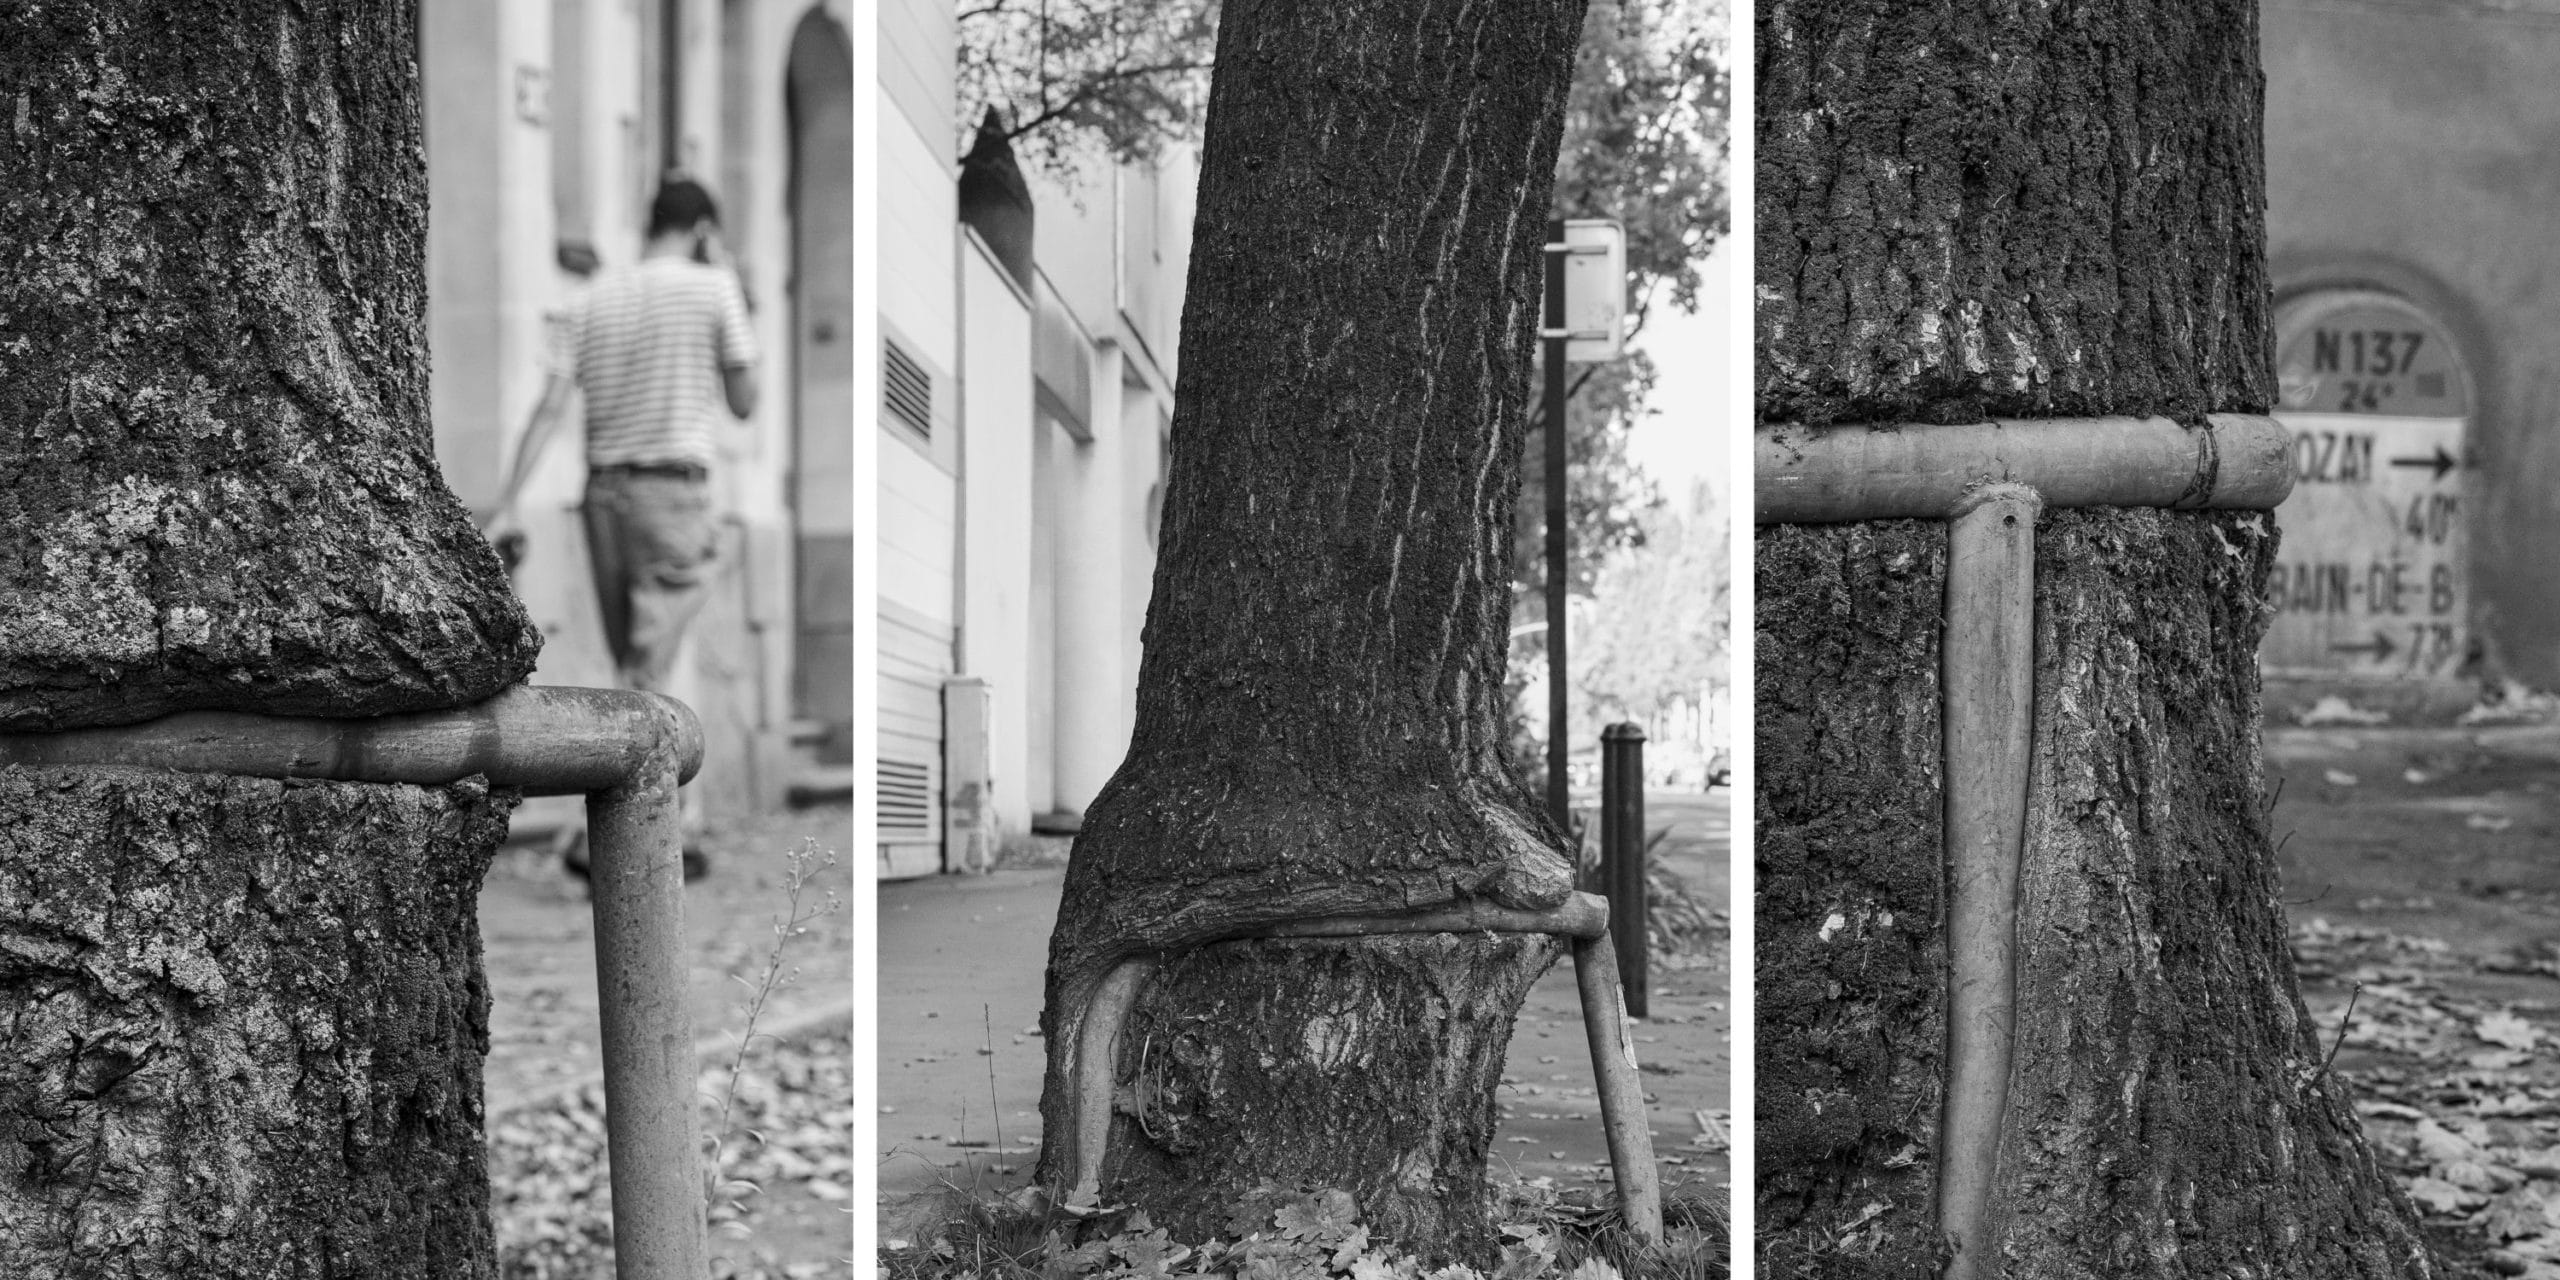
x: 1319, y: 724
x: 244, y: 1018
x: 2031, y: 212
x: 213, y: 429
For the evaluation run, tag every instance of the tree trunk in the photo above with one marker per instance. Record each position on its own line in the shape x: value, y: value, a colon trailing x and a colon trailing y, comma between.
x: 1320, y: 715
x: 2028, y: 212
x: 244, y: 1018
x: 213, y: 379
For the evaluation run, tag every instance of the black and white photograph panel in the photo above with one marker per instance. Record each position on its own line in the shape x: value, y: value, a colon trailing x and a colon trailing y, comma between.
x: 425, y: 678
x: 1303, y: 698
x: 2155, y: 750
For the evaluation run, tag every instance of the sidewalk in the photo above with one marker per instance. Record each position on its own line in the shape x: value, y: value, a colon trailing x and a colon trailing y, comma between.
x: 960, y: 976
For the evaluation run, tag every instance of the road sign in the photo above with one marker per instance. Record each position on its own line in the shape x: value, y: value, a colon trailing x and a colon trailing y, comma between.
x: 2371, y: 581
x: 1595, y: 290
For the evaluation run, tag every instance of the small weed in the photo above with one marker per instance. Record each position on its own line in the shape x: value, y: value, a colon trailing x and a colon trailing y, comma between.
x: 721, y: 1195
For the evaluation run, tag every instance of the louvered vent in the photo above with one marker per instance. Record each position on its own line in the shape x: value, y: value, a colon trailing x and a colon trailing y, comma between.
x: 906, y: 800
x: 907, y: 389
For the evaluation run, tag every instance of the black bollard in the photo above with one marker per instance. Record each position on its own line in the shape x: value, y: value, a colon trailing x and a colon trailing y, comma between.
x: 1622, y: 853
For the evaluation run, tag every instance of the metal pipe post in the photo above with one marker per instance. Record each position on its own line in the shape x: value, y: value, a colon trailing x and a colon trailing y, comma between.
x: 1613, y: 1068
x: 1622, y: 853
x: 1989, y: 677
x: 636, y: 873
x: 1559, y: 752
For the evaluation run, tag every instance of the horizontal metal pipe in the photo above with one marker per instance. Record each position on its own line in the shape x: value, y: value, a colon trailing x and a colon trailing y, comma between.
x: 1921, y: 471
x: 544, y: 739
x: 1584, y: 915
x: 1987, y: 719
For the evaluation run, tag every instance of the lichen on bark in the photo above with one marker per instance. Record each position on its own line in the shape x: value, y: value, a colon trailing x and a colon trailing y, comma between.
x: 214, y: 453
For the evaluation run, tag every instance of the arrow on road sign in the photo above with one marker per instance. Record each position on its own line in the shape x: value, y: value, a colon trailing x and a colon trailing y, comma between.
x: 2380, y: 647
x: 2442, y: 462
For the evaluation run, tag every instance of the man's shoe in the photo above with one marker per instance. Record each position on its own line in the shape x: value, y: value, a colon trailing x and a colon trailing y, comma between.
x: 572, y: 845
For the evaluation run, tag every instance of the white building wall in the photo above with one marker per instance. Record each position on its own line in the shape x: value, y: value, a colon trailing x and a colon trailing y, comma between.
x: 1145, y: 420
x: 919, y: 57
x: 918, y: 541
x: 918, y: 203
x: 994, y: 634
x: 1073, y: 241
x: 489, y: 230
x: 1096, y: 678
x: 1023, y: 552
x: 1050, y: 444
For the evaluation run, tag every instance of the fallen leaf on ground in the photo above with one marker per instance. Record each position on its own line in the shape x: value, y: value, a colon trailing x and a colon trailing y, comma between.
x: 2504, y: 1027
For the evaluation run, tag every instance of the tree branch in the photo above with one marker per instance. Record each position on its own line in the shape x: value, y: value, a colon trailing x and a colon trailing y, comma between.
x: 1091, y: 89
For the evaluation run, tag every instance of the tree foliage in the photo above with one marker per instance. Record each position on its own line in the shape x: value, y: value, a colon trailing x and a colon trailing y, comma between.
x: 1660, y: 622
x: 1073, y: 78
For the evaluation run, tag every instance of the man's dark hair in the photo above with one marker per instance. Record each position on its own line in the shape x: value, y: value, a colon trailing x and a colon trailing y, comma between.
x: 681, y: 203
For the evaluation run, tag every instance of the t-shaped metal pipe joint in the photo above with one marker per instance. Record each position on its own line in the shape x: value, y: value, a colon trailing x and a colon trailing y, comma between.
x: 1989, y: 480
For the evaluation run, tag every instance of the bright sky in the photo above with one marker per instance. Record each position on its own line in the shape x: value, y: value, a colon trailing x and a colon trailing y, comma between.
x: 1704, y: 361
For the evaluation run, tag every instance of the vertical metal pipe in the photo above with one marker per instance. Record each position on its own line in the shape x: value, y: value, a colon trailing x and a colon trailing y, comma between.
x: 1988, y: 657
x: 1559, y: 783
x: 1622, y: 852
x: 1613, y: 1068
x: 636, y: 853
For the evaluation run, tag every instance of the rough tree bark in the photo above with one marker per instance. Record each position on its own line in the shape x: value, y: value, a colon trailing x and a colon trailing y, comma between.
x: 244, y: 1019
x: 1319, y: 724
x: 2031, y: 211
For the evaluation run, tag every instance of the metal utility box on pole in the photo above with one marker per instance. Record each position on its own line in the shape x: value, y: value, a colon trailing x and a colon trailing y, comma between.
x: 1586, y: 302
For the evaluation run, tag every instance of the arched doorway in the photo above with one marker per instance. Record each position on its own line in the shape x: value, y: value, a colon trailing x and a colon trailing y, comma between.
x: 819, y: 91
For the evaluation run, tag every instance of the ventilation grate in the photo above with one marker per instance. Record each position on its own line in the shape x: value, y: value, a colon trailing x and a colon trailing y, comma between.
x: 906, y: 799
x: 907, y: 389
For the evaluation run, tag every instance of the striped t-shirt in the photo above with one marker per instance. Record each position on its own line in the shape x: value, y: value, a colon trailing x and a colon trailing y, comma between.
x: 646, y: 343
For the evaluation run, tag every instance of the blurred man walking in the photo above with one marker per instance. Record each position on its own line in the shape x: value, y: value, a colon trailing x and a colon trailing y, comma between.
x: 659, y: 348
